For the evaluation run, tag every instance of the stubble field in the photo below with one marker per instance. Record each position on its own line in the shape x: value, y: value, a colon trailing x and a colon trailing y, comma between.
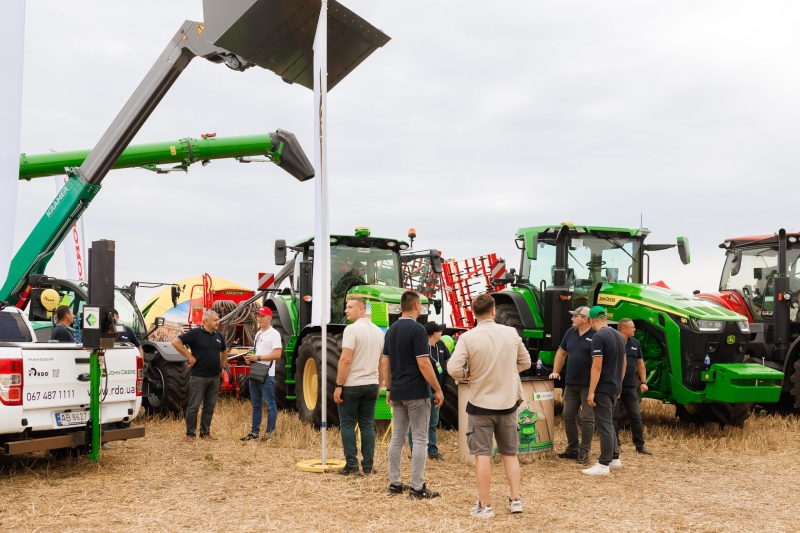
x: 708, y: 480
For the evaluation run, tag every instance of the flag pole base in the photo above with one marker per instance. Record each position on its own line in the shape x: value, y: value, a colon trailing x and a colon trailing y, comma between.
x: 315, y: 465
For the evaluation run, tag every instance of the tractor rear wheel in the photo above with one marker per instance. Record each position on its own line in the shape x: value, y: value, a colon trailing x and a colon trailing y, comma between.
x: 448, y: 412
x: 308, y: 378
x: 168, y: 386
x: 281, y: 388
x: 796, y: 384
x: 508, y: 315
x: 244, y: 386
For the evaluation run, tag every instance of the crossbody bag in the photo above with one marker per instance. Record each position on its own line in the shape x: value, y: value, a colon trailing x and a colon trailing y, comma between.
x: 259, y: 372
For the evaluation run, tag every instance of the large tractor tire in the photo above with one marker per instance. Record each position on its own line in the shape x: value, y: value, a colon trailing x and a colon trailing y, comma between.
x: 448, y: 412
x: 795, y: 377
x: 281, y: 389
x: 168, y: 386
x: 308, y: 378
x: 724, y: 414
x: 508, y: 315
x: 244, y: 387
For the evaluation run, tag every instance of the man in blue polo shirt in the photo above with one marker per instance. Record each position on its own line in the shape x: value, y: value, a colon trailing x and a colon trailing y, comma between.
x: 207, y: 359
x: 409, y: 375
x: 577, y: 344
x: 630, y: 395
x: 608, y: 367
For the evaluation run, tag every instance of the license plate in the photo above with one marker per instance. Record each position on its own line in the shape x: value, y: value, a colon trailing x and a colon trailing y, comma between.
x: 78, y: 418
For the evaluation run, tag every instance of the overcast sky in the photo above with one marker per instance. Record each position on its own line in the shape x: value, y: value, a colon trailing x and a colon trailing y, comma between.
x: 474, y: 120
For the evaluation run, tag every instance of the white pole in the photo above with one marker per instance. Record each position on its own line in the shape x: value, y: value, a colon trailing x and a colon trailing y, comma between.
x: 326, y: 239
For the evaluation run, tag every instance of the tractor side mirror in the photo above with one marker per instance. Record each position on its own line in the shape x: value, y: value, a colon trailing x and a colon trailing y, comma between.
x: 437, y: 305
x: 436, y: 262
x: 531, y: 246
x: 683, y: 250
x: 159, y: 321
x: 280, y: 252
x: 736, y: 262
x: 175, y: 292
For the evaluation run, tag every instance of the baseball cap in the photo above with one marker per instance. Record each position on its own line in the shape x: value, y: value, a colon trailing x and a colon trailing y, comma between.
x: 265, y: 311
x: 598, y: 311
x: 433, y: 327
x: 583, y: 311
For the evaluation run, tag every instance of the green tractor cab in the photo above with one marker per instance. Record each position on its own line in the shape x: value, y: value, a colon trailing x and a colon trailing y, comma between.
x: 361, y: 265
x: 564, y: 267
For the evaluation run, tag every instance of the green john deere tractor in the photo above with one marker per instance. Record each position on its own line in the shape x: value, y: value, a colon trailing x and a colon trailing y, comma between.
x: 362, y: 265
x: 564, y: 267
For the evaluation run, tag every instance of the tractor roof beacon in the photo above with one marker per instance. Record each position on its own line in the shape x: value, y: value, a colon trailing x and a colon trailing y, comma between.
x: 566, y: 266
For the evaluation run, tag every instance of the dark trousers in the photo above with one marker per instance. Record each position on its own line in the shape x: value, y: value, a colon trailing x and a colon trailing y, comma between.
x: 630, y: 399
x: 574, y: 404
x: 358, y: 405
x: 603, y: 414
x: 205, y: 390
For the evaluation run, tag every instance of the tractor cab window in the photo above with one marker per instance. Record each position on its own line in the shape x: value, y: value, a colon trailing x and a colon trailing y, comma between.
x: 128, y: 314
x: 754, y: 280
x: 351, y: 266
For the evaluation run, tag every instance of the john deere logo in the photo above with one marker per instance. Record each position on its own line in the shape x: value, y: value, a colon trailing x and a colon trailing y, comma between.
x: 731, y: 339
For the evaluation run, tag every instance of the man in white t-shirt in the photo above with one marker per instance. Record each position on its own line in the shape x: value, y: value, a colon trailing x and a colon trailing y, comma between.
x: 267, y: 347
x: 357, y: 385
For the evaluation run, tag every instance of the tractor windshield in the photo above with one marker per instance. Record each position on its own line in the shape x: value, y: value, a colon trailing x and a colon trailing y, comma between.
x: 591, y: 260
x: 754, y: 280
x: 128, y: 314
x: 352, y: 266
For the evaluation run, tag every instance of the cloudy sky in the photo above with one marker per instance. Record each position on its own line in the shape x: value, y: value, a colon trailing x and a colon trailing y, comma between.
x: 474, y: 120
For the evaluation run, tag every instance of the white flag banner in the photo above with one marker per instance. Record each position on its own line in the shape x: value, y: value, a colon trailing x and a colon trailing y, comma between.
x: 12, y: 13
x: 320, y: 303
x: 74, y: 249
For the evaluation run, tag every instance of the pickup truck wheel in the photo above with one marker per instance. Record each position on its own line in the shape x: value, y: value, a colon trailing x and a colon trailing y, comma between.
x: 244, y: 386
x: 67, y: 453
x: 308, y: 379
x: 281, y: 387
x: 168, y: 386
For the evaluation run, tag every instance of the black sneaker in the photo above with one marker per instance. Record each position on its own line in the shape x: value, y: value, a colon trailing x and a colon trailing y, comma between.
x: 422, y: 494
x: 568, y: 455
x: 581, y: 459
x: 349, y: 471
x: 249, y: 436
x: 398, y: 488
x: 436, y: 457
x: 368, y: 470
x: 644, y: 451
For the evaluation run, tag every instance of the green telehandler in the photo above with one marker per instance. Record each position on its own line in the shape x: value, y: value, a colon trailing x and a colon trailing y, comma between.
x: 693, y: 349
x: 361, y: 265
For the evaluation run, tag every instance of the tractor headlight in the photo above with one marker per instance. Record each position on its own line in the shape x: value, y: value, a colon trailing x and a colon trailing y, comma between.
x: 709, y: 326
x: 744, y: 327
x: 394, y: 309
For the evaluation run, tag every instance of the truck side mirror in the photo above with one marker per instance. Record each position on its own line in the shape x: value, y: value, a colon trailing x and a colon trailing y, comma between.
x: 436, y: 262
x: 736, y: 262
x: 531, y: 246
x: 280, y: 252
x: 683, y: 250
x: 159, y: 321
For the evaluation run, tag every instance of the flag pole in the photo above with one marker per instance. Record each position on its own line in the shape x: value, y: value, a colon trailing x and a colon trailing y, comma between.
x: 326, y: 240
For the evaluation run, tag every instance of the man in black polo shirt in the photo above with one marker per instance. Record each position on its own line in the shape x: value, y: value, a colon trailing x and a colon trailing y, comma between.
x: 207, y: 359
x: 576, y: 348
x: 409, y: 376
x: 630, y: 395
x: 63, y: 332
x: 608, y: 367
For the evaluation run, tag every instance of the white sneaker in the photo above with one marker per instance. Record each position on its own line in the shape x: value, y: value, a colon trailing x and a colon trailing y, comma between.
x: 616, y: 464
x: 106, y: 446
x: 515, y: 506
x: 482, y: 512
x: 597, y: 470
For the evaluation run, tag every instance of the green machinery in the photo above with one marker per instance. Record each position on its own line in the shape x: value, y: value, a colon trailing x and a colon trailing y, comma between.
x: 362, y: 265
x: 566, y: 266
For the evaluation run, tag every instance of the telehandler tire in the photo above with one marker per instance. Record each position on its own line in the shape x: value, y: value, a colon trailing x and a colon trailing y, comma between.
x: 308, y: 378
x: 169, y: 387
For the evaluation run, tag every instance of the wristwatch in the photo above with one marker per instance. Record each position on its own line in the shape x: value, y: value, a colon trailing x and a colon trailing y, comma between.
x: 258, y: 358
x: 339, y: 386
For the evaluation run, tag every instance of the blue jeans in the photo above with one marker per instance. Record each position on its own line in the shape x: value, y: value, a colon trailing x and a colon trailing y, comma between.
x: 434, y: 422
x: 358, y: 405
x: 263, y: 393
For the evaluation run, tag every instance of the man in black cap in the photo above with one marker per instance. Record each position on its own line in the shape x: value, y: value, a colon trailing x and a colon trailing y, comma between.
x: 439, y: 354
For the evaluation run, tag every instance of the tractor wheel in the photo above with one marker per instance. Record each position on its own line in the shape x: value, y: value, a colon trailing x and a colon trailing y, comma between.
x: 692, y: 413
x: 244, y: 386
x: 795, y: 377
x: 508, y: 315
x: 281, y: 389
x: 725, y: 414
x: 448, y: 412
x: 168, y: 386
x: 308, y: 378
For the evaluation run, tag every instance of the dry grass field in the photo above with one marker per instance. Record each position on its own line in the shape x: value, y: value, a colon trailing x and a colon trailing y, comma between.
x: 709, y: 479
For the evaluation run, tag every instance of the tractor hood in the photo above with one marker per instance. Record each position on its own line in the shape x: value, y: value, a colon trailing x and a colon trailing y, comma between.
x: 668, y: 301
x: 381, y: 293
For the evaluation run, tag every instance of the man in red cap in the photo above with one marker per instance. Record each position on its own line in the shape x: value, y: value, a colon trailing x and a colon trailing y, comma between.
x: 267, y: 349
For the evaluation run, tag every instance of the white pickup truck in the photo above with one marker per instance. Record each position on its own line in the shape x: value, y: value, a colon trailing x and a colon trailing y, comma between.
x: 44, y: 390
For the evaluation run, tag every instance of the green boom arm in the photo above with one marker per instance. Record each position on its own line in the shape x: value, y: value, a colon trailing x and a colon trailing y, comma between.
x: 281, y: 147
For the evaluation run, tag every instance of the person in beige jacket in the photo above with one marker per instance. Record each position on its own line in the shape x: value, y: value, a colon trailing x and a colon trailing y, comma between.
x: 491, y: 356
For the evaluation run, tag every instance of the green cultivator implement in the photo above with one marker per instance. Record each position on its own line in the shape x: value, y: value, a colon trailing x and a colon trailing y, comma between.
x: 693, y: 349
